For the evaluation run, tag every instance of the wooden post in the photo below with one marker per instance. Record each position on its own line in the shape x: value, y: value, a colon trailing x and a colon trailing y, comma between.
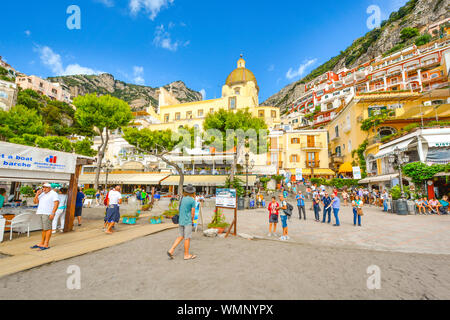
x: 71, y: 199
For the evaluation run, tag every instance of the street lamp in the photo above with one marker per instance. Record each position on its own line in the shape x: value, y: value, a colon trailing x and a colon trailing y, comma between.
x: 107, y: 167
x: 248, y: 165
x: 398, y: 158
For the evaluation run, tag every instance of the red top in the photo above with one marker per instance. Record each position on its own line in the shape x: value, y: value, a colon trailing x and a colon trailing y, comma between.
x: 273, y: 208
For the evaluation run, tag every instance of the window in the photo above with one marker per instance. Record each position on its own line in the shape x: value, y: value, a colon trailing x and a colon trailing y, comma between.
x: 295, y: 141
x: 41, y: 85
x: 189, y: 115
x: 177, y: 116
x: 29, y: 80
x: 274, y: 158
x: 294, y: 158
x: 261, y: 114
x: 338, y: 151
x: 336, y: 131
x: 237, y: 91
x: 386, y: 131
x: 232, y: 103
x: 310, y: 141
x: 273, y: 114
x: 166, y: 118
x: 349, y: 145
x: 200, y: 113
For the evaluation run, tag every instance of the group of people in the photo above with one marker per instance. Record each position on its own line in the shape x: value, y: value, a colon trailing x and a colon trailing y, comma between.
x: 432, y: 205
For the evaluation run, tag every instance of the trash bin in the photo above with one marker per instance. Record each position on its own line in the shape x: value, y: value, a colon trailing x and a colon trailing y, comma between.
x: 241, y: 203
x: 402, y: 207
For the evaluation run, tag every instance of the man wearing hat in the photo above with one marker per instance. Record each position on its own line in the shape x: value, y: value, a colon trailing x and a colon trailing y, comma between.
x: 187, y: 213
x: 48, y: 202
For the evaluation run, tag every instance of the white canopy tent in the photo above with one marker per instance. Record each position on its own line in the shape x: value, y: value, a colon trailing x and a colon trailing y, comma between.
x: 20, y: 163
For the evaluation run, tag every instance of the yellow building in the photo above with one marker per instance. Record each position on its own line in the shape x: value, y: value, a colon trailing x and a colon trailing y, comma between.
x: 240, y: 91
x: 300, y: 149
x: 345, y: 133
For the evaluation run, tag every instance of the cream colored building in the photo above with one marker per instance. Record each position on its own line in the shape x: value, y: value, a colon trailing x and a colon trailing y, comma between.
x: 8, y: 95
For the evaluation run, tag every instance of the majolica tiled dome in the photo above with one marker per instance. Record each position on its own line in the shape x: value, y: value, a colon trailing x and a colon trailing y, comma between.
x: 241, y: 75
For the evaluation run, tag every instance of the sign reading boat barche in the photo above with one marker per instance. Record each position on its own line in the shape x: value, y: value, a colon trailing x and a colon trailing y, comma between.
x: 19, y: 157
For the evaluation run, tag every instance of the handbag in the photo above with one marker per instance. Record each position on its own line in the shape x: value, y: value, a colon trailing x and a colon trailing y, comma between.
x: 360, y: 212
x: 176, y: 218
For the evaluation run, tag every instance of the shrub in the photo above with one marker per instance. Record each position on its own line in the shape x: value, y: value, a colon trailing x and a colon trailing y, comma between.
x: 423, y: 39
x: 27, y: 191
x: 90, y: 192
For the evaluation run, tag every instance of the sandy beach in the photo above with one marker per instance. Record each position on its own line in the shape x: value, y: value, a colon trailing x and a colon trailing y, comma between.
x: 234, y: 268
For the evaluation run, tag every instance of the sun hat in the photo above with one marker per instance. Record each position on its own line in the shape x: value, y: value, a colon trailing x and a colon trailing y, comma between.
x: 189, y: 188
x: 47, y: 185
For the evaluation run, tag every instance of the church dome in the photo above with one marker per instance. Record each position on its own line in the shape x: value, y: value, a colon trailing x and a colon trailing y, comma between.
x: 241, y: 75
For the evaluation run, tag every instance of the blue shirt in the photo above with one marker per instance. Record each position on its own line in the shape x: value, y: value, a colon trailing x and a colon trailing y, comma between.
x: 2, y: 201
x: 444, y: 203
x: 187, y: 203
x: 336, y: 203
x: 326, y: 201
x: 79, y: 202
x: 285, y: 194
x: 300, y: 200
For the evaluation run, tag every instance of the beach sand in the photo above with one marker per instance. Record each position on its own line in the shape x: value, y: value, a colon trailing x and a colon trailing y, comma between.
x: 235, y: 268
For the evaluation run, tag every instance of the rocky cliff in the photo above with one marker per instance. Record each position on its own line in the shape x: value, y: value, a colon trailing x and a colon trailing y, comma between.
x: 139, y: 97
x: 414, y: 14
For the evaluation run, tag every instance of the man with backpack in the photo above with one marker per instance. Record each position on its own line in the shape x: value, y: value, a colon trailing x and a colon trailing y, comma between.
x: 285, y: 213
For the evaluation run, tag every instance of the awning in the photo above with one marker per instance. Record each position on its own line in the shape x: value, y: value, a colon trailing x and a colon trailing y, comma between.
x: 205, y: 181
x: 437, y: 140
x: 388, y: 150
x: 318, y: 172
x: 131, y: 179
x: 386, y: 177
x: 346, y: 167
x: 438, y: 156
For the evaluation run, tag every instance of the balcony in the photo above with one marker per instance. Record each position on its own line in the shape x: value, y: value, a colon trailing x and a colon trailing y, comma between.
x: 309, y: 146
x: 312, y: 164
x: 337, y: 158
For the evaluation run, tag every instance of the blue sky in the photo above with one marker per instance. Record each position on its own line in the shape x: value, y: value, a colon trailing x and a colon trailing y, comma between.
x: 155, y: 42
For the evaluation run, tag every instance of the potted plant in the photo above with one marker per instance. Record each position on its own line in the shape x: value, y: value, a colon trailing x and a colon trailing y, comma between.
x: 130, y: 219
x: 219, y: 221
x: 156, y: 219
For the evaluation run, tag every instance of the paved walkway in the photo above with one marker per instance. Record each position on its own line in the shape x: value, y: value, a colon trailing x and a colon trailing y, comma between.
x: 87, y: 238
x: 379, y: 231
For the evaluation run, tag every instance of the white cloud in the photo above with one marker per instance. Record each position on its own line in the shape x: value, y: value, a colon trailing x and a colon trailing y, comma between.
x: 108, y: 3
x: 164, y: 40
x: 53, y: 61
x: 138, y: 73
x: 291, y: 74
x: 28, y: 33
x: 151, y: 7
x: 203, y: 92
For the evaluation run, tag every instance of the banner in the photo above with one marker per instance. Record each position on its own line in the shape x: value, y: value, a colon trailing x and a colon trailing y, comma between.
x: 298, y: 174
x: 357, y: 173
x: 226, y: 198
x: 19, y: 157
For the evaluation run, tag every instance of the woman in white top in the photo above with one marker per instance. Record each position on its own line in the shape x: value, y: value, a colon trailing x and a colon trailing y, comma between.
x: 60, y: 214
x: 345, y: 197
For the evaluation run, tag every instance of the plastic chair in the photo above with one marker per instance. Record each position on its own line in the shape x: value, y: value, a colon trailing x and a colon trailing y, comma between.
x: 2, y: 227
x: 21, y: 220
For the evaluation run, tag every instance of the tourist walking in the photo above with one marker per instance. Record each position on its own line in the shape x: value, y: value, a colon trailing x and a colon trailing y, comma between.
x: 273, y: 208
x: 336, y: 205
x: 97, y: 198
x: 48, y: 202
x: 187, y: 213
x: 308, y: 192
x: 79, y: 205
x: 284, y: 218
x: 60, y: 215
x: 301, y: 205
x: 385, y: 197
x: 326, y: 200
x: 357, y: 205
x: 345, y: 196
x: 316, y: 207
x: 114, y: 200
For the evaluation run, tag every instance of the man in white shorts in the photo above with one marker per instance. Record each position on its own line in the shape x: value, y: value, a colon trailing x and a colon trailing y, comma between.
x: 48, y: 202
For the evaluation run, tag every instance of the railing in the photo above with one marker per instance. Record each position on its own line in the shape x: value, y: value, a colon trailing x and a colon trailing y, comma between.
x: 316, y: 145
x: 312, y: 164
x: 337, y: 158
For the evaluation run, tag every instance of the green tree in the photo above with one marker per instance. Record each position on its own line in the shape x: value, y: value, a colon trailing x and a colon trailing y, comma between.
x: 54, y: 143
x: 102, y: 114
x: 235, y: 130
x: 20, y: 120
x: 160, y: 144
x: 84, y: 147
x: 408, y: 33
x: 423, y: 39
